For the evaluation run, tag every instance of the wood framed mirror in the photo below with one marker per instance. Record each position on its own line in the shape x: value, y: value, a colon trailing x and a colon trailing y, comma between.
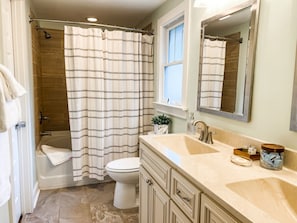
x: 227, y: 59
x: 293, y: 122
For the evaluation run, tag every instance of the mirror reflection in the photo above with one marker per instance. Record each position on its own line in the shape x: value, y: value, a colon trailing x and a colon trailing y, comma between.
x: 226, y: 62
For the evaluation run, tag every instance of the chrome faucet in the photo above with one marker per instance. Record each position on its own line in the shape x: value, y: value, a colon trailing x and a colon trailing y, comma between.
x: 205, y: 134
x: 42, y: 118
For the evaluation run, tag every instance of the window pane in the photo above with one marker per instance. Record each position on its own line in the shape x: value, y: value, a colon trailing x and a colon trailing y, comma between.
x: 171, y: 45
x: 175, y: 43
x: 173, y: 84
x: 179, y: 37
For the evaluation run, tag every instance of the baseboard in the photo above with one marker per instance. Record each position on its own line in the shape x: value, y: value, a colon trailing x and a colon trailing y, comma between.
x: 36, y: 194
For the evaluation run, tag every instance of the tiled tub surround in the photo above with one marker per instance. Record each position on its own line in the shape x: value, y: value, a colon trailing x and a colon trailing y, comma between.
x: 50, y: 96
x: 213, y: 172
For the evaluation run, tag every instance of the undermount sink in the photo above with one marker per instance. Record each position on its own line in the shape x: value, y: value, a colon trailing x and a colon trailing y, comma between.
x: 183, y: 144
x: 274, y: 196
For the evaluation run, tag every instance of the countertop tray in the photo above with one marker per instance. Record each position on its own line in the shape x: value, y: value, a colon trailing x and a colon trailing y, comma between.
x: 244, y: 152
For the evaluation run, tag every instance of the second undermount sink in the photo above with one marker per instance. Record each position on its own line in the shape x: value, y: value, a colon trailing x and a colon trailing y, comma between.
x: 274, y: 196
x: 183, y: 144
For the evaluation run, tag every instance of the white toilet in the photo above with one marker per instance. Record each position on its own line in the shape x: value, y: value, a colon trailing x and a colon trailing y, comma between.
x: 126, y: 174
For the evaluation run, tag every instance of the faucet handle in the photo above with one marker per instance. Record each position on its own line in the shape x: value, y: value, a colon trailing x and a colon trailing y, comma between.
x: 42, y: 117
x: 209, y: 138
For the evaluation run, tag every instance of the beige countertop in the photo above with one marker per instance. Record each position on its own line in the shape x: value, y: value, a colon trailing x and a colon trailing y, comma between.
x: 211, y: 172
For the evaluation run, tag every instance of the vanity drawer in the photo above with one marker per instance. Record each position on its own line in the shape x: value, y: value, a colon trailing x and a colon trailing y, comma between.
x: 176, y: 215
x: 157, y: 167
x: 185, y: 195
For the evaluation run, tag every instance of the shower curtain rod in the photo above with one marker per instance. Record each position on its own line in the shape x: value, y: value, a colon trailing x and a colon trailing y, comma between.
x: 222, y: 38
x: 92, y: 24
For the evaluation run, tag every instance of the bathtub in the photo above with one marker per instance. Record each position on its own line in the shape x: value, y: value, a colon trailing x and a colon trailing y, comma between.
x: 53, y: 177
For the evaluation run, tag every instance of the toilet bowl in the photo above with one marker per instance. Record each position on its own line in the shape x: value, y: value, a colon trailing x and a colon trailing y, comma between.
x: 126, y: 174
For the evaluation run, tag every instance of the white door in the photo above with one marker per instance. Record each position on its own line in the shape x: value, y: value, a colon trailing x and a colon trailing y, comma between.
x: 15, y: 201
x: 22, y: 51
x: 15, y: 205
x: 14, y: 53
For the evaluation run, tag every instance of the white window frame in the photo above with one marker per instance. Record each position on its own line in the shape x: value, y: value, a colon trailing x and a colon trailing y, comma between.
x: 182, y: 10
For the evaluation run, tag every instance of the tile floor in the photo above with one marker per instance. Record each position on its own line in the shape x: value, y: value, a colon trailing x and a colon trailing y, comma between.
x: 85, y: 204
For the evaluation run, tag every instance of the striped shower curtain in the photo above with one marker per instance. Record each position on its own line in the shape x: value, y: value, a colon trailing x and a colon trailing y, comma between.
x: 213, y: 64
x: 109, y: 76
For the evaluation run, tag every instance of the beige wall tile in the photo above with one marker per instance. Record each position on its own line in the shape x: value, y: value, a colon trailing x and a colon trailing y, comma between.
x: 54, y: 97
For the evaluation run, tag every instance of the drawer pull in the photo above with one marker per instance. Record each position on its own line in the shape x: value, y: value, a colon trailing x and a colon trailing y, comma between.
x: 179, y: 193
x: 149, y: 182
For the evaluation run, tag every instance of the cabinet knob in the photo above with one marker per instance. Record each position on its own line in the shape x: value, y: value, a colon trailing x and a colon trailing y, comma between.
x: 149, y: 182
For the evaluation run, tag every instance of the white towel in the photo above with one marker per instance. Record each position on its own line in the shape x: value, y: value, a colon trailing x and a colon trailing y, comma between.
x: 3, y: 126
x: 56, y: 155
x: 212, y: 73
x: 10, y: 114
x: 10, y: 90
x: 5, y: 169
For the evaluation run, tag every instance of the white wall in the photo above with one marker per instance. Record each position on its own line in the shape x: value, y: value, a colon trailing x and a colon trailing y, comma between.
x: 274, y: 71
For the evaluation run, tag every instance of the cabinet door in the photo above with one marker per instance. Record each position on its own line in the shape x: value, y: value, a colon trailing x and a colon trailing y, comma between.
x: 176, y: 215
x: 212, y: 213
x: 144, y: 193
x: 154, y: 202
x: 160, y: 205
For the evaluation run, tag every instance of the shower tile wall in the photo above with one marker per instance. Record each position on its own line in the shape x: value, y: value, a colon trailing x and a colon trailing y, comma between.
x: 49, y: 81
x: 36, y: 79
x: 54, y: 96
x: 230, y: 75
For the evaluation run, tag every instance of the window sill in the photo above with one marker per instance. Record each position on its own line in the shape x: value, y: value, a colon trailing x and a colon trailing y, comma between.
x: 177, y: 111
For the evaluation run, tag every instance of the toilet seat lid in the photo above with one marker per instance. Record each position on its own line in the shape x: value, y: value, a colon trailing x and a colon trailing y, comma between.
x: 124, y: 165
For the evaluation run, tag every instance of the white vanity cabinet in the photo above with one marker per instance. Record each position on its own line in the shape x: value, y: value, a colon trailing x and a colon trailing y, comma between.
x: 157, y: 194
x: 167, y: 196
x: 154, y: 184
x: 213, y: 213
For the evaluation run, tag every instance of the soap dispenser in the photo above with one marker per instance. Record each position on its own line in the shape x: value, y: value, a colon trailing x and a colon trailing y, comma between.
x: 190, y: 124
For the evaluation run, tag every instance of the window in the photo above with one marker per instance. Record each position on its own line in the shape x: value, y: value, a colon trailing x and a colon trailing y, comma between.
x: 173, y: 67
x: 171, y: 62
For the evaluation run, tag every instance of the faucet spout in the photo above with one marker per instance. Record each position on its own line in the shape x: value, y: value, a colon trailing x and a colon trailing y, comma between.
x: 205, y: 134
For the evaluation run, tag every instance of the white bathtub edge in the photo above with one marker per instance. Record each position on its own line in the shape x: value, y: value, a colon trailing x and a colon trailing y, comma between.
x: 62, y: 181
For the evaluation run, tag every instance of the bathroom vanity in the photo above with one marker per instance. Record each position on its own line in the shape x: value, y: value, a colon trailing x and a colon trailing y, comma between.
x: 185, y: 180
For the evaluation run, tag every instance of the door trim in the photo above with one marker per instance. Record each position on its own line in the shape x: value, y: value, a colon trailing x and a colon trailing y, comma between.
x: 23, y: 72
